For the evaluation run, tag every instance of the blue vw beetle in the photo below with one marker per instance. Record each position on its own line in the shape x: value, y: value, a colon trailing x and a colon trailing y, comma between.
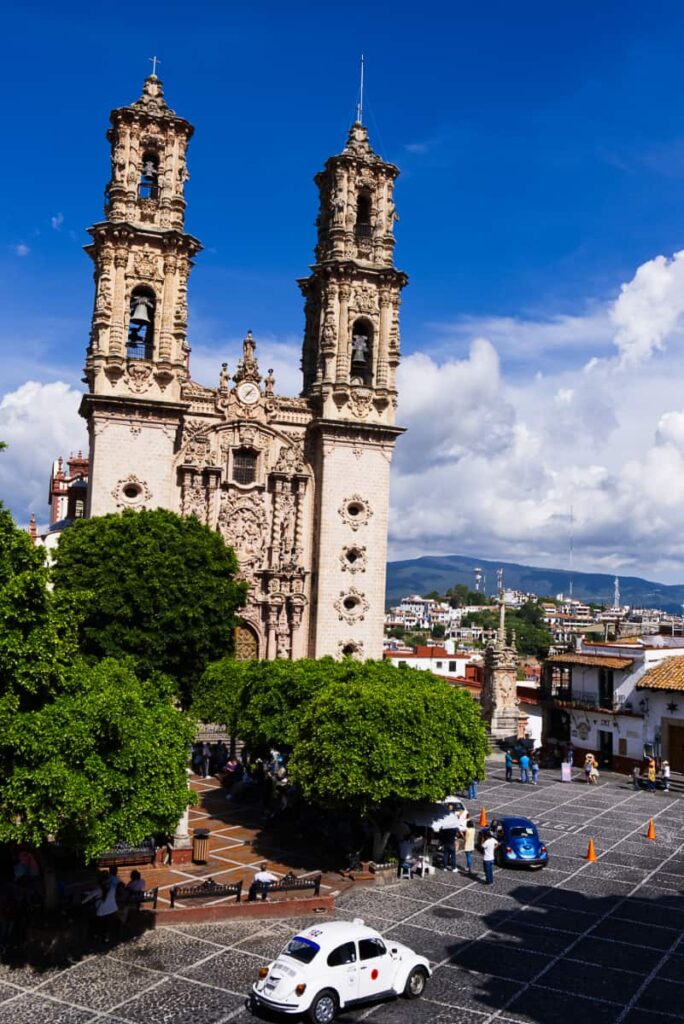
x: 519, y: 843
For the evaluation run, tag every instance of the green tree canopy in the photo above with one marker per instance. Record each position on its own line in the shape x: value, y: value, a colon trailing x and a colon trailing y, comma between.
x: 87, y: 753
x: 155, y: 586
x: 37, y: 630
x: 100, y: 762
x: 381, y: 737
x: 260, y: 701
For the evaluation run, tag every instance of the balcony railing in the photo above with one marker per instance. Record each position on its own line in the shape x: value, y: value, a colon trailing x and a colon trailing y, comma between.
x: 581, y: 698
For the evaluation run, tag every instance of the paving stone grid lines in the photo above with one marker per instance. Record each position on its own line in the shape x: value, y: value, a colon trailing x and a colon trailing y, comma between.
x: 602, y: 941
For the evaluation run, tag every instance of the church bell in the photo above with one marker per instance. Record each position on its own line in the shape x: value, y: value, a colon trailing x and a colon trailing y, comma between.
x: 140, y: 315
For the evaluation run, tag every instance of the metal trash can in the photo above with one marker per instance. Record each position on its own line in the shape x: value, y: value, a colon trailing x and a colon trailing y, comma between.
x: 200, y: 844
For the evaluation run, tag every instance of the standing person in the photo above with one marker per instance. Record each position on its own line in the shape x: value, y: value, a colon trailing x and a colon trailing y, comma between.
x: 651, y: 776
x: 489, y: 845
x: 524, y: 763
x: 665, y: 773
x: 469, y: 844
x: 206, y: 760
x: 636, y: 776
x: 588, y: 766
x: 472, y: 789
x: 534, y: 764
x: 570, y: 756
x: 449, y: 847
x: 509, y: 766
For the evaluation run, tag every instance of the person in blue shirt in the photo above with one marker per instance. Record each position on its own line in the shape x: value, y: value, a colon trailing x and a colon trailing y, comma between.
x: 524, y: 768
x: 509, y: 766
x: 534, y: 765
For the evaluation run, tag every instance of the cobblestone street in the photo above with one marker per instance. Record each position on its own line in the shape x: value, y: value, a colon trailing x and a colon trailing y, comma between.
x: 601, y: 942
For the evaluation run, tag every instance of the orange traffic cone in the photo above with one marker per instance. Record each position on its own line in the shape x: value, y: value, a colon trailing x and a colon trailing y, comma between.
x: 591, y: 852
x: 651, y: 834
x: 483, y: 818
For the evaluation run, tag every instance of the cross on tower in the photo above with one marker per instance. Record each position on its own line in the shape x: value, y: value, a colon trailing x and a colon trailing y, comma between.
x: 155, y: 61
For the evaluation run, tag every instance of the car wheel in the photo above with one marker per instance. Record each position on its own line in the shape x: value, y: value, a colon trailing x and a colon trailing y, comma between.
x: 323, y: 1009
x: 415, y: 983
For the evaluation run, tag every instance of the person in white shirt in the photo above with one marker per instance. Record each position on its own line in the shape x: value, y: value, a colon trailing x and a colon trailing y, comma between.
x: 261, y: 882
x: 489, y: 845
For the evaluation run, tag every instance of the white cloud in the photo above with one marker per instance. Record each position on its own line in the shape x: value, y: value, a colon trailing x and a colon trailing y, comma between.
x: 649, y: 308
x: 57, y: 221
x: 496, y: 454
x: 38, y: 422
x: 22, y: 249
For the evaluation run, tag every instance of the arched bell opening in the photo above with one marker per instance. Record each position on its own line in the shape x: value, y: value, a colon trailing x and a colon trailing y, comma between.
x: 140, y: 344
x: 148, y: 188
x: 363, y: 226
x: 362, y: 352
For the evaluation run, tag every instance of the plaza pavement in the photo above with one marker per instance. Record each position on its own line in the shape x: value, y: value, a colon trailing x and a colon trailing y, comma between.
x: 577, y: 941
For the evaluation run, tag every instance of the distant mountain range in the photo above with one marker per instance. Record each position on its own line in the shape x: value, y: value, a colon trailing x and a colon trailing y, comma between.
x: 439, y: 572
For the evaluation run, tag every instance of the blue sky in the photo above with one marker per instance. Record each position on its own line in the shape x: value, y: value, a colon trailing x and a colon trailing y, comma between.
x: 542, y: 156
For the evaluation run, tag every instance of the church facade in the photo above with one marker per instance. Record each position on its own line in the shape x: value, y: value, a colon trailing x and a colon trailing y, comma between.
x: 299, y: 486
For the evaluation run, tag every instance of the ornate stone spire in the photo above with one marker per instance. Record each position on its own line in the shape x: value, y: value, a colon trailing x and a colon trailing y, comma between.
x: 152, y: 100
x: 358, y: 145
x: 499, y: 697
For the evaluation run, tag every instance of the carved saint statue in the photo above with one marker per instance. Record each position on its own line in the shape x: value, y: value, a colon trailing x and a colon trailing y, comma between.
x: 223, y: 377
x: 269, y: 384
x: 248, y: 350
x: 359, y: 348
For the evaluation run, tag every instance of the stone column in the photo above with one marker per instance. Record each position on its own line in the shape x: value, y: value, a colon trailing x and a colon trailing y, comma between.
x: 342, y: 371
x: 116, y: 339
x: 181, y: 837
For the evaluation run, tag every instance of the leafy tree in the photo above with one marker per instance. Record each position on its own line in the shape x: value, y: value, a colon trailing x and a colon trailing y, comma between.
x: 154, y: 586
x: 434, y: 595
x: 37, y: 631
x: 260, y: 700
x: 373, y: 738
x: 438, y: 631
x: 397, y: 632
x: 87, y: 754
x: 101, y: 761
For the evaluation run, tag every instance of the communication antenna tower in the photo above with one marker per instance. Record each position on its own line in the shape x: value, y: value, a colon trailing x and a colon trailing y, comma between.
x: 616, y: 593
x: 499, y: 581
x: 572, y: 548
x: 478, y: 579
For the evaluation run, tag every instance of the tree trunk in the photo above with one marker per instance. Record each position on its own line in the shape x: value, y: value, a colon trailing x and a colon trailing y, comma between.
x: 380, y: 840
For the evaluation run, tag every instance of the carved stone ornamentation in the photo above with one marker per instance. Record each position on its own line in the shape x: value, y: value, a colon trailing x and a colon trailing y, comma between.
x: 350, y: 649
x: 291, y: 459
x: 131, y: 492
x: 139, y: 376
x: 145, y: 264
x: 351, y: 606
x: 353, y: 558
x: 242, y: 524
x: 196, y: 446
x: 366, y: 298
x: 360, y: 402
x: 195, y: 500
x: 355, y: 511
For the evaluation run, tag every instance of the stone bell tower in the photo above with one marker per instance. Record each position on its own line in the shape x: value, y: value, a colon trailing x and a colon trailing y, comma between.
x: 137, y: 358
x: 349, y: 363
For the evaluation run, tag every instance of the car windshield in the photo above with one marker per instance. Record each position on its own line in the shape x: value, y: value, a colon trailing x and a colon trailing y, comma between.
x: 521, y: 830
x: 301, y: 949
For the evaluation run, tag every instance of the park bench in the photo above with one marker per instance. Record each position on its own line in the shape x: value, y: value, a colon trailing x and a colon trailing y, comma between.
x: 149, y: 896
x: 209, y: 890
x: 123, y: 854
x: 289, y: 883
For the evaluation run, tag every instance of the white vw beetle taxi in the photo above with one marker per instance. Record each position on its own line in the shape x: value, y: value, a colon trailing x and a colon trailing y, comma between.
x: 335, y: 964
